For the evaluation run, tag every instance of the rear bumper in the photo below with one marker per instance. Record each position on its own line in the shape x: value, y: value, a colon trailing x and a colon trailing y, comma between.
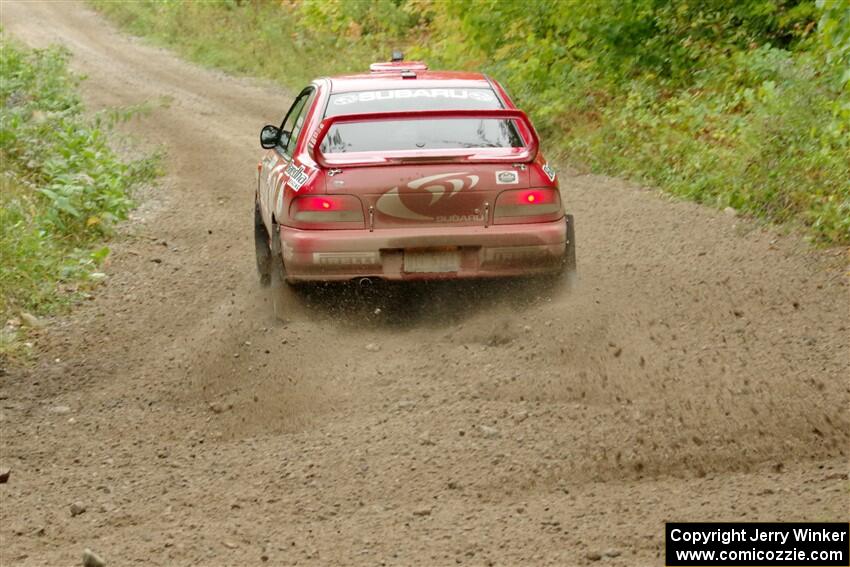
x: 495, y: 251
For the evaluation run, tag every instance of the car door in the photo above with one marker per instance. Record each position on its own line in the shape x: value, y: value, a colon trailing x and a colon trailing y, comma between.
x: 277, y: 159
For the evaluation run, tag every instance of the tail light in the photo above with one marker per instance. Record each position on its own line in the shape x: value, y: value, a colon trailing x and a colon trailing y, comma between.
x: 527, y: 205
x: 327, y: 212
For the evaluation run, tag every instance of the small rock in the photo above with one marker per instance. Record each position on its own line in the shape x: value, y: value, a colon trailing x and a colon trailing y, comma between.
x: 372, y: 347
x: 60, y: 409
x: 422, y: 512
x: 31, y: 320
x: 489, y: 432
x: 593, y: 555
x: 97, y: 276
x: 406, y: 404
x: 230, y: 545
x: 92, y: 559
x: 77, y: 508
x: 216, y: 407
x: 730, y: 212
x: 611, y: 552
x: 526, y: 328
x: 4, y: 475
x: 521, y: 416
x: 426, y: 440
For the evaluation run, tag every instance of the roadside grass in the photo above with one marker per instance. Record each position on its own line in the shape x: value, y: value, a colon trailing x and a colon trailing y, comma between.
x: 775, y: 151
x: 62, y: 189
x: 745, y: 105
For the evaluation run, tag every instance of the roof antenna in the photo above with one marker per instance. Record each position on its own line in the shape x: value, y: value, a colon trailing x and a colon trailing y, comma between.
x: 397, y: 56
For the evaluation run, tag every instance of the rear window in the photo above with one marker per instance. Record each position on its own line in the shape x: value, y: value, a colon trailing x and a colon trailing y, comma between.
x: 418, y: 134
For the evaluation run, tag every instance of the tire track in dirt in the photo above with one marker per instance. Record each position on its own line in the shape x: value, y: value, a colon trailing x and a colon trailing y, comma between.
x: 698, y: 371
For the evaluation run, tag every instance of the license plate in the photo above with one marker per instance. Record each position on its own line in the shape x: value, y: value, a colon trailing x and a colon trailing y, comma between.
x: 434, y: 261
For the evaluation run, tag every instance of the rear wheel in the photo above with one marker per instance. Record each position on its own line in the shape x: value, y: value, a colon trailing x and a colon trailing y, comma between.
x: 262, y: 249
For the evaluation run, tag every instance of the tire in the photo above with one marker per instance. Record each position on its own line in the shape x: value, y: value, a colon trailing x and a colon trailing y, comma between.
x: 262, y: 250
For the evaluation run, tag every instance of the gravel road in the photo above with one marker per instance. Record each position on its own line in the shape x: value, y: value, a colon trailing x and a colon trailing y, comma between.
x: 698, y: 371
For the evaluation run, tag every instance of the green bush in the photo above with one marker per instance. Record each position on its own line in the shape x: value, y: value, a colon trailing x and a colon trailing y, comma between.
x: 731, y: 103
x: 61, y: 186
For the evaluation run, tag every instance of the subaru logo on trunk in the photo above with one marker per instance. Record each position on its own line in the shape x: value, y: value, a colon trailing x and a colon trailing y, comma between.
x: 390, y: 203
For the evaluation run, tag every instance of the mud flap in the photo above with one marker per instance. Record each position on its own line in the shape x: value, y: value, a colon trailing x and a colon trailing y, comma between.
x: 564, y: 279
x: 262, y: 250
x: 286, y: 302
x: 567, y: 277
x: 570, y: 255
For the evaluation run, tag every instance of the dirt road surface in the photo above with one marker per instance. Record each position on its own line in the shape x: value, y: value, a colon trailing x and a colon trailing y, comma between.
x: 699, y: 371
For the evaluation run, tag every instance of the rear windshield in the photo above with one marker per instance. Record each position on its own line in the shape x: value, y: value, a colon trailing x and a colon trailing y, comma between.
x: 418, y: 134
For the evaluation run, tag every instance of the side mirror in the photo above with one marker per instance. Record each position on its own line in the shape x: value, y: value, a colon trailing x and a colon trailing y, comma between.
x: 269, y: 136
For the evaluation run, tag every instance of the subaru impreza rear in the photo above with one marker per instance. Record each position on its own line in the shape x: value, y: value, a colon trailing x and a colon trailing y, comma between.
x: 407, y: 174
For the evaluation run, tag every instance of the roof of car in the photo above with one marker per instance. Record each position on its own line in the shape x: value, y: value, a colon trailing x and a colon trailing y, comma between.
x: 395, y: 80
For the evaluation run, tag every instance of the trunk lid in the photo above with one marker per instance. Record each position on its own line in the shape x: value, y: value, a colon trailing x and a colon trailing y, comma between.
x: 447, y: 194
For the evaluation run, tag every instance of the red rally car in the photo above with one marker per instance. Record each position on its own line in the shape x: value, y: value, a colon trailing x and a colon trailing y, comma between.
x: 403, y: 174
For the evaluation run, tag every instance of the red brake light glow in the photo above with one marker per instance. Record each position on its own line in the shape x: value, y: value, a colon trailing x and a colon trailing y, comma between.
x: 315, y: 204
x: 527, y: 205
x: 337, y: 211
x: 536, y: 197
